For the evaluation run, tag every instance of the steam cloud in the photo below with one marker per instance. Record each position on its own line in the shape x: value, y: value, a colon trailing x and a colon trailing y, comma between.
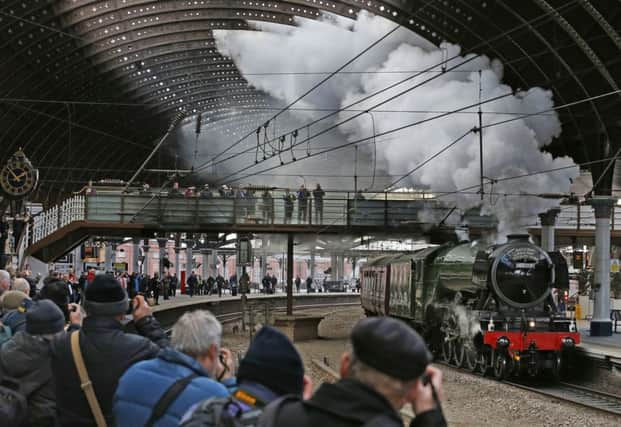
x: 510, y: 149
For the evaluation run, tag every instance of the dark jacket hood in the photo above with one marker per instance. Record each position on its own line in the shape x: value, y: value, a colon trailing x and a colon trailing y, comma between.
x: 362, y: 403
x: 22, y: 352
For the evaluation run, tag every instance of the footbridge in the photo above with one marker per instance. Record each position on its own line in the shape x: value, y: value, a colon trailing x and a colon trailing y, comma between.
x: 57, y: 230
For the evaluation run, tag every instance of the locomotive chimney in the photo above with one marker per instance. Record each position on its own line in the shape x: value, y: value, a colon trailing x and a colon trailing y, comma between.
x: 511, y: 238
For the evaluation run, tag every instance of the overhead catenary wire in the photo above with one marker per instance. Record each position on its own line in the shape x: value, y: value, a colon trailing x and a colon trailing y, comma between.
x: 338, y: 147
x: 453, y: 143
x: 525, y: 115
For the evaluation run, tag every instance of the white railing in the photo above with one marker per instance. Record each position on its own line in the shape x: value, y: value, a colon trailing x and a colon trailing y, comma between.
x: 50, y: 220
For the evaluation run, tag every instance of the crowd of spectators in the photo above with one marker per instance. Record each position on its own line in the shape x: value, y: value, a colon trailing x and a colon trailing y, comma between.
x: 69, y: 361
x: 250, y: 199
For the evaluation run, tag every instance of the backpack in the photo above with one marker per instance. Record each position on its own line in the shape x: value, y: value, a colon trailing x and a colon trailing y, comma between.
x: 214, y: 412
x: 13, y: 404
x: 5, y: 333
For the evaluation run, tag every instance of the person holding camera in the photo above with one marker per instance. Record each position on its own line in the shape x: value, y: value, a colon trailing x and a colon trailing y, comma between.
x: 387, y: 368
x: 160, y: 391
x: 88, y: 362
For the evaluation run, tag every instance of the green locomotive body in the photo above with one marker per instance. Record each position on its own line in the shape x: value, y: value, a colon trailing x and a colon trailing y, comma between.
x: 480, y: 307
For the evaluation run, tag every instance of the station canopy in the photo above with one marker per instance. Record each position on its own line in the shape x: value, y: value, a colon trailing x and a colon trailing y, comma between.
x: 85, y: 84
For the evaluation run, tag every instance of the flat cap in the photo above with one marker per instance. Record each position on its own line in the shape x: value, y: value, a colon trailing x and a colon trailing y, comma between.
x: 391, y: 347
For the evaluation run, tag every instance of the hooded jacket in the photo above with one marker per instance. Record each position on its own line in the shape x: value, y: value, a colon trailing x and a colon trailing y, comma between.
x: 26, y: 358
x: 349, y: 403
x: 142, y: 386
x: 107, y: 351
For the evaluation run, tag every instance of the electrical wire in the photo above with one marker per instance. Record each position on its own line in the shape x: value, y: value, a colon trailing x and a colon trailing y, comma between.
x: 567, y: 105
x: 76, y: 125
x: 374, y: 151
x: 400, y: 128
x: 453, y: 143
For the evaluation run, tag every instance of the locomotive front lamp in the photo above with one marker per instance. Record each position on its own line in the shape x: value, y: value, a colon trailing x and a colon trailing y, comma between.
x: 568, y: 342
x: 532, y: 324
x: 503, y: 342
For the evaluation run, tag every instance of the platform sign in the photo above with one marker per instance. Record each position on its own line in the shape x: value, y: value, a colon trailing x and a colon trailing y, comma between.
x: 119, y: 266
x: 244, y: 252
x: 578, y: 260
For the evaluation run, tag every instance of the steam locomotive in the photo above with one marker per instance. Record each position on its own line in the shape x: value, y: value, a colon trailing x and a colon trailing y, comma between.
x: 485, y: 309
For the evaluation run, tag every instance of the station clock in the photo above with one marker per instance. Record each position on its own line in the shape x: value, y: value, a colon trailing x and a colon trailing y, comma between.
x: 18, y: 177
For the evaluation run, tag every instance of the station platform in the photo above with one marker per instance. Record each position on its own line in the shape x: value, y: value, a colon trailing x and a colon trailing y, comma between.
x: 608, y: 348
x: 183, y: 300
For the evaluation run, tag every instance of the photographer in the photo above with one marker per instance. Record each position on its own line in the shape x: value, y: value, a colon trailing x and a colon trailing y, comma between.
x: 387, y: 368
x: 107, y: 351
x: 194, y: 368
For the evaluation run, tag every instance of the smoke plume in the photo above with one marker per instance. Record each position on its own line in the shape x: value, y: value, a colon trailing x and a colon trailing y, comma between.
x: 510, y: 149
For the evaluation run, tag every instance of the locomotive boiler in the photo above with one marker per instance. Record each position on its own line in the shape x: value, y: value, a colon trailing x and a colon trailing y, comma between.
x: 486, y: 309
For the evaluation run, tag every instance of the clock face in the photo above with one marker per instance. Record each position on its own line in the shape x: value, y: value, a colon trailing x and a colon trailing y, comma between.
x: 18, y: 177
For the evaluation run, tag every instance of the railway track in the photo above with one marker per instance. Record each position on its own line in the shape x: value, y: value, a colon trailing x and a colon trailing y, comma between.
x: 567, y: 392
x: 236, y: 316
x: 583, y: 396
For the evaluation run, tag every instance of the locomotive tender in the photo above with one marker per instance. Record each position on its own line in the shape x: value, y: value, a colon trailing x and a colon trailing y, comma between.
x: 481, y: 308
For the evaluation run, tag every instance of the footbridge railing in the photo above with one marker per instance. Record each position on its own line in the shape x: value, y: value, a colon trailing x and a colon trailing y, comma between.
x: 176, y: 211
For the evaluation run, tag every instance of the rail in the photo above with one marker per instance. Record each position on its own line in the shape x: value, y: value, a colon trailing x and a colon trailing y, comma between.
x: 583, y: 396
x: 231, y: 308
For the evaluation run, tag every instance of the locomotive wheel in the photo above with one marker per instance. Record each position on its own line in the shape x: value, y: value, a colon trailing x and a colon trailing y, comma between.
x: 447, y: 349
x: 483, y: 362
x: 465, y: 355
x: 557, y: 366
x: 501, y: 366
x: 459, y: 353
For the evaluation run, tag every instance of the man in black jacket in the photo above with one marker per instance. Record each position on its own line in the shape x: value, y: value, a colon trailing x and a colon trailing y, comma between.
x: 107, y: 350
x: 26, y: 359
x: 388, y: 367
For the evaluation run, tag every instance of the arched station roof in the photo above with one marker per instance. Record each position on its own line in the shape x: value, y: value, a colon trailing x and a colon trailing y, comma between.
x: 141, y: 61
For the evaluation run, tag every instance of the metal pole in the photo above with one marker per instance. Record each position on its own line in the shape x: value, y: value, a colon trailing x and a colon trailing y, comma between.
x: 601, y: 325
x: 481, y: 136
x: 172, y: 126
x: 289, y: 274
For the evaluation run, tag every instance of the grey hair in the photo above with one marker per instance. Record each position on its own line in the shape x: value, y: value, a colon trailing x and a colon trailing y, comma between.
x: 21, y: 285
x: 5, y: 276
x: 391, y: 388
x: 195, y: 332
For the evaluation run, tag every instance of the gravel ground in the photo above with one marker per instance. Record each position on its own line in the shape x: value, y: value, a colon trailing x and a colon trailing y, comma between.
x: 468, y: 400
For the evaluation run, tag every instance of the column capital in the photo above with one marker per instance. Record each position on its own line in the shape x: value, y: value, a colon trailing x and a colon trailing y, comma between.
x: 548, y: 218
x: 602, y: 205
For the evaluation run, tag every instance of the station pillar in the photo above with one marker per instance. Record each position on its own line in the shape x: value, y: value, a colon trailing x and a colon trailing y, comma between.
x: 136, y: 256
x: 289, y: 274
x: 145, y: 263
x: 109, y: 256
x: 205, y: 264
x: 214, y: 263
x: 189, y: 259
x: 601, y: 325
x: 548, y: 221
x: 333, y: 267
x: 177, y: 264
x: 312, y: 265
x: 162, y: 245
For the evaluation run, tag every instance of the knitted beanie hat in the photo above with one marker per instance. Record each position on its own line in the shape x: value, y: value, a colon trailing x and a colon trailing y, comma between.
x: 105, y: 297
x: 273, y: 361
